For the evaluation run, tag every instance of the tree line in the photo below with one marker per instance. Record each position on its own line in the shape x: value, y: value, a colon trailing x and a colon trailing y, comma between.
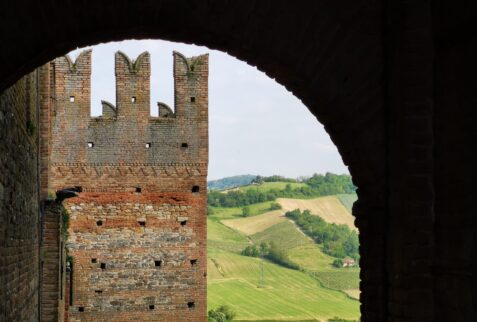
x: 338, y: 240
x: 316, y: 186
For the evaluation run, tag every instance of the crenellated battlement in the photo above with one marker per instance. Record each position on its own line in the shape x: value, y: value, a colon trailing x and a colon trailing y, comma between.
x: 126, y: 133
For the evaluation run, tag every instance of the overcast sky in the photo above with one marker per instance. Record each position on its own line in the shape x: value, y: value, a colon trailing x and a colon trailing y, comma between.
x: 256, y: 125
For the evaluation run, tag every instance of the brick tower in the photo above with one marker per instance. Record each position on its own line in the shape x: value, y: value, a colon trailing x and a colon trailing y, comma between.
x: 137, y: 235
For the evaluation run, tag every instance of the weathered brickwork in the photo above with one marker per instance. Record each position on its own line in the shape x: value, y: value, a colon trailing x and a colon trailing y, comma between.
x: 53, y: 258
x: 137, y: 232
x: 19, y: 207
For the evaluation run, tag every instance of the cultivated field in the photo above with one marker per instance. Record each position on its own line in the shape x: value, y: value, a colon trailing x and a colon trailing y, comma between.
x: 255, y: 224
x: 317, y: 293
x: 283, y: 294
x: 284, y: 235
x: 329, y: 208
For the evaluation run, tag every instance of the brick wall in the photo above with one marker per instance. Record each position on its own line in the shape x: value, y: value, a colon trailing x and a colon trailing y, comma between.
x: 53, y: 263
x: 19, y: 211
x: 137, y: 234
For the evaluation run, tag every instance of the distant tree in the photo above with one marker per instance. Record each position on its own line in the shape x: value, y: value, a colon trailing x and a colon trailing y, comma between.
x: 222, y: 314
x: 210, y: 210
x: 246, y: 211
x: 275, y: 206
x: 338, y: 263
x: 258, y: 180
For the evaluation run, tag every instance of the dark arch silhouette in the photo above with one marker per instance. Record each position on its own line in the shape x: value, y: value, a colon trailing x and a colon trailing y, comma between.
x: 384, y: 77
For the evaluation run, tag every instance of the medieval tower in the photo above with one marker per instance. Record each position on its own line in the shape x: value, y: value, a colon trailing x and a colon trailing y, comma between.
x: 137, y: 229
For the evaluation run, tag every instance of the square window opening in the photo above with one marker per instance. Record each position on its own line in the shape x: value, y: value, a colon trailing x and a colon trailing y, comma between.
x: 90, y: 145
x: 193, y: 262
x: 158, y: 263
x: 192, y: 99
x: 191, y: 305
x: 195, y: 189
x: 72, y: 99
x: 142, y: 223
x: 133, y: 99
x: 103, y: 265
x: 94, y: 260
x: 151, y: 307
x: 183, y: 222
x: 99, y: 223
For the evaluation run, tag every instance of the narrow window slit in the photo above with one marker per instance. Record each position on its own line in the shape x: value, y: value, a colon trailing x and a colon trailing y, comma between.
x: 184, y: 145
x: 98, y: 291
x: 192, y: 99
x: 133, y: 99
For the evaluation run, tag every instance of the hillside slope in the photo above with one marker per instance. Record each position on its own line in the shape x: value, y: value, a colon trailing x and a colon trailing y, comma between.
x: 330, y: 208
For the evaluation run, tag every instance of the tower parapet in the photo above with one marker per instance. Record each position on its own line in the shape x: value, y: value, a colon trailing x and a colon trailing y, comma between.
x: 86, y: 148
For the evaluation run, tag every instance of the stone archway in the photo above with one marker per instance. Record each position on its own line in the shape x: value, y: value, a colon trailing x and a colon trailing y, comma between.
x: 329, y: 58
x: 384, y: 77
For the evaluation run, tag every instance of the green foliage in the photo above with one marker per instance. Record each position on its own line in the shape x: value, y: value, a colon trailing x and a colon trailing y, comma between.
x: 65, y: 218
x: 338, y: 263
x: 341, y: 320
x: 276, y: 178
x: 316, y: 186
x: 271, y: 252
x: 30, y: 127
x: 257, y: 251
x: 210, y: 211
x: 278, y: 256
x: 246, y: 211
x: 230, y: 182
x: 221, y: 314
x: 275, y: 206
x: 337, y: 240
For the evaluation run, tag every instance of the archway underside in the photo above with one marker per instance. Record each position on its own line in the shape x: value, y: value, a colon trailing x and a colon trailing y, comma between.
x: 383, y: 77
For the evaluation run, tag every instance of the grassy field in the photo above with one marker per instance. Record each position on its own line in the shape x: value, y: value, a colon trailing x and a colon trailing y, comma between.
x: 255, y: 224
x: 347, y: 200
x: 342, y: 279
x: 225, y: 238
x: 223, y: 213
x: 329, y: 208
x: 285, y: 294
x: 284, y: 235
x: 318, y: 293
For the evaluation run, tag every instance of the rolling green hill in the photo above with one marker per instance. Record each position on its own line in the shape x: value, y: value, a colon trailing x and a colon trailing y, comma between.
x: 316, y: 292
x: 230, y: 182
x: 283, y: 294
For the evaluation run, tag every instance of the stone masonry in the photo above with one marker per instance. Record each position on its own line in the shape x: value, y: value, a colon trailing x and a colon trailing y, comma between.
x: 137, y: 234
